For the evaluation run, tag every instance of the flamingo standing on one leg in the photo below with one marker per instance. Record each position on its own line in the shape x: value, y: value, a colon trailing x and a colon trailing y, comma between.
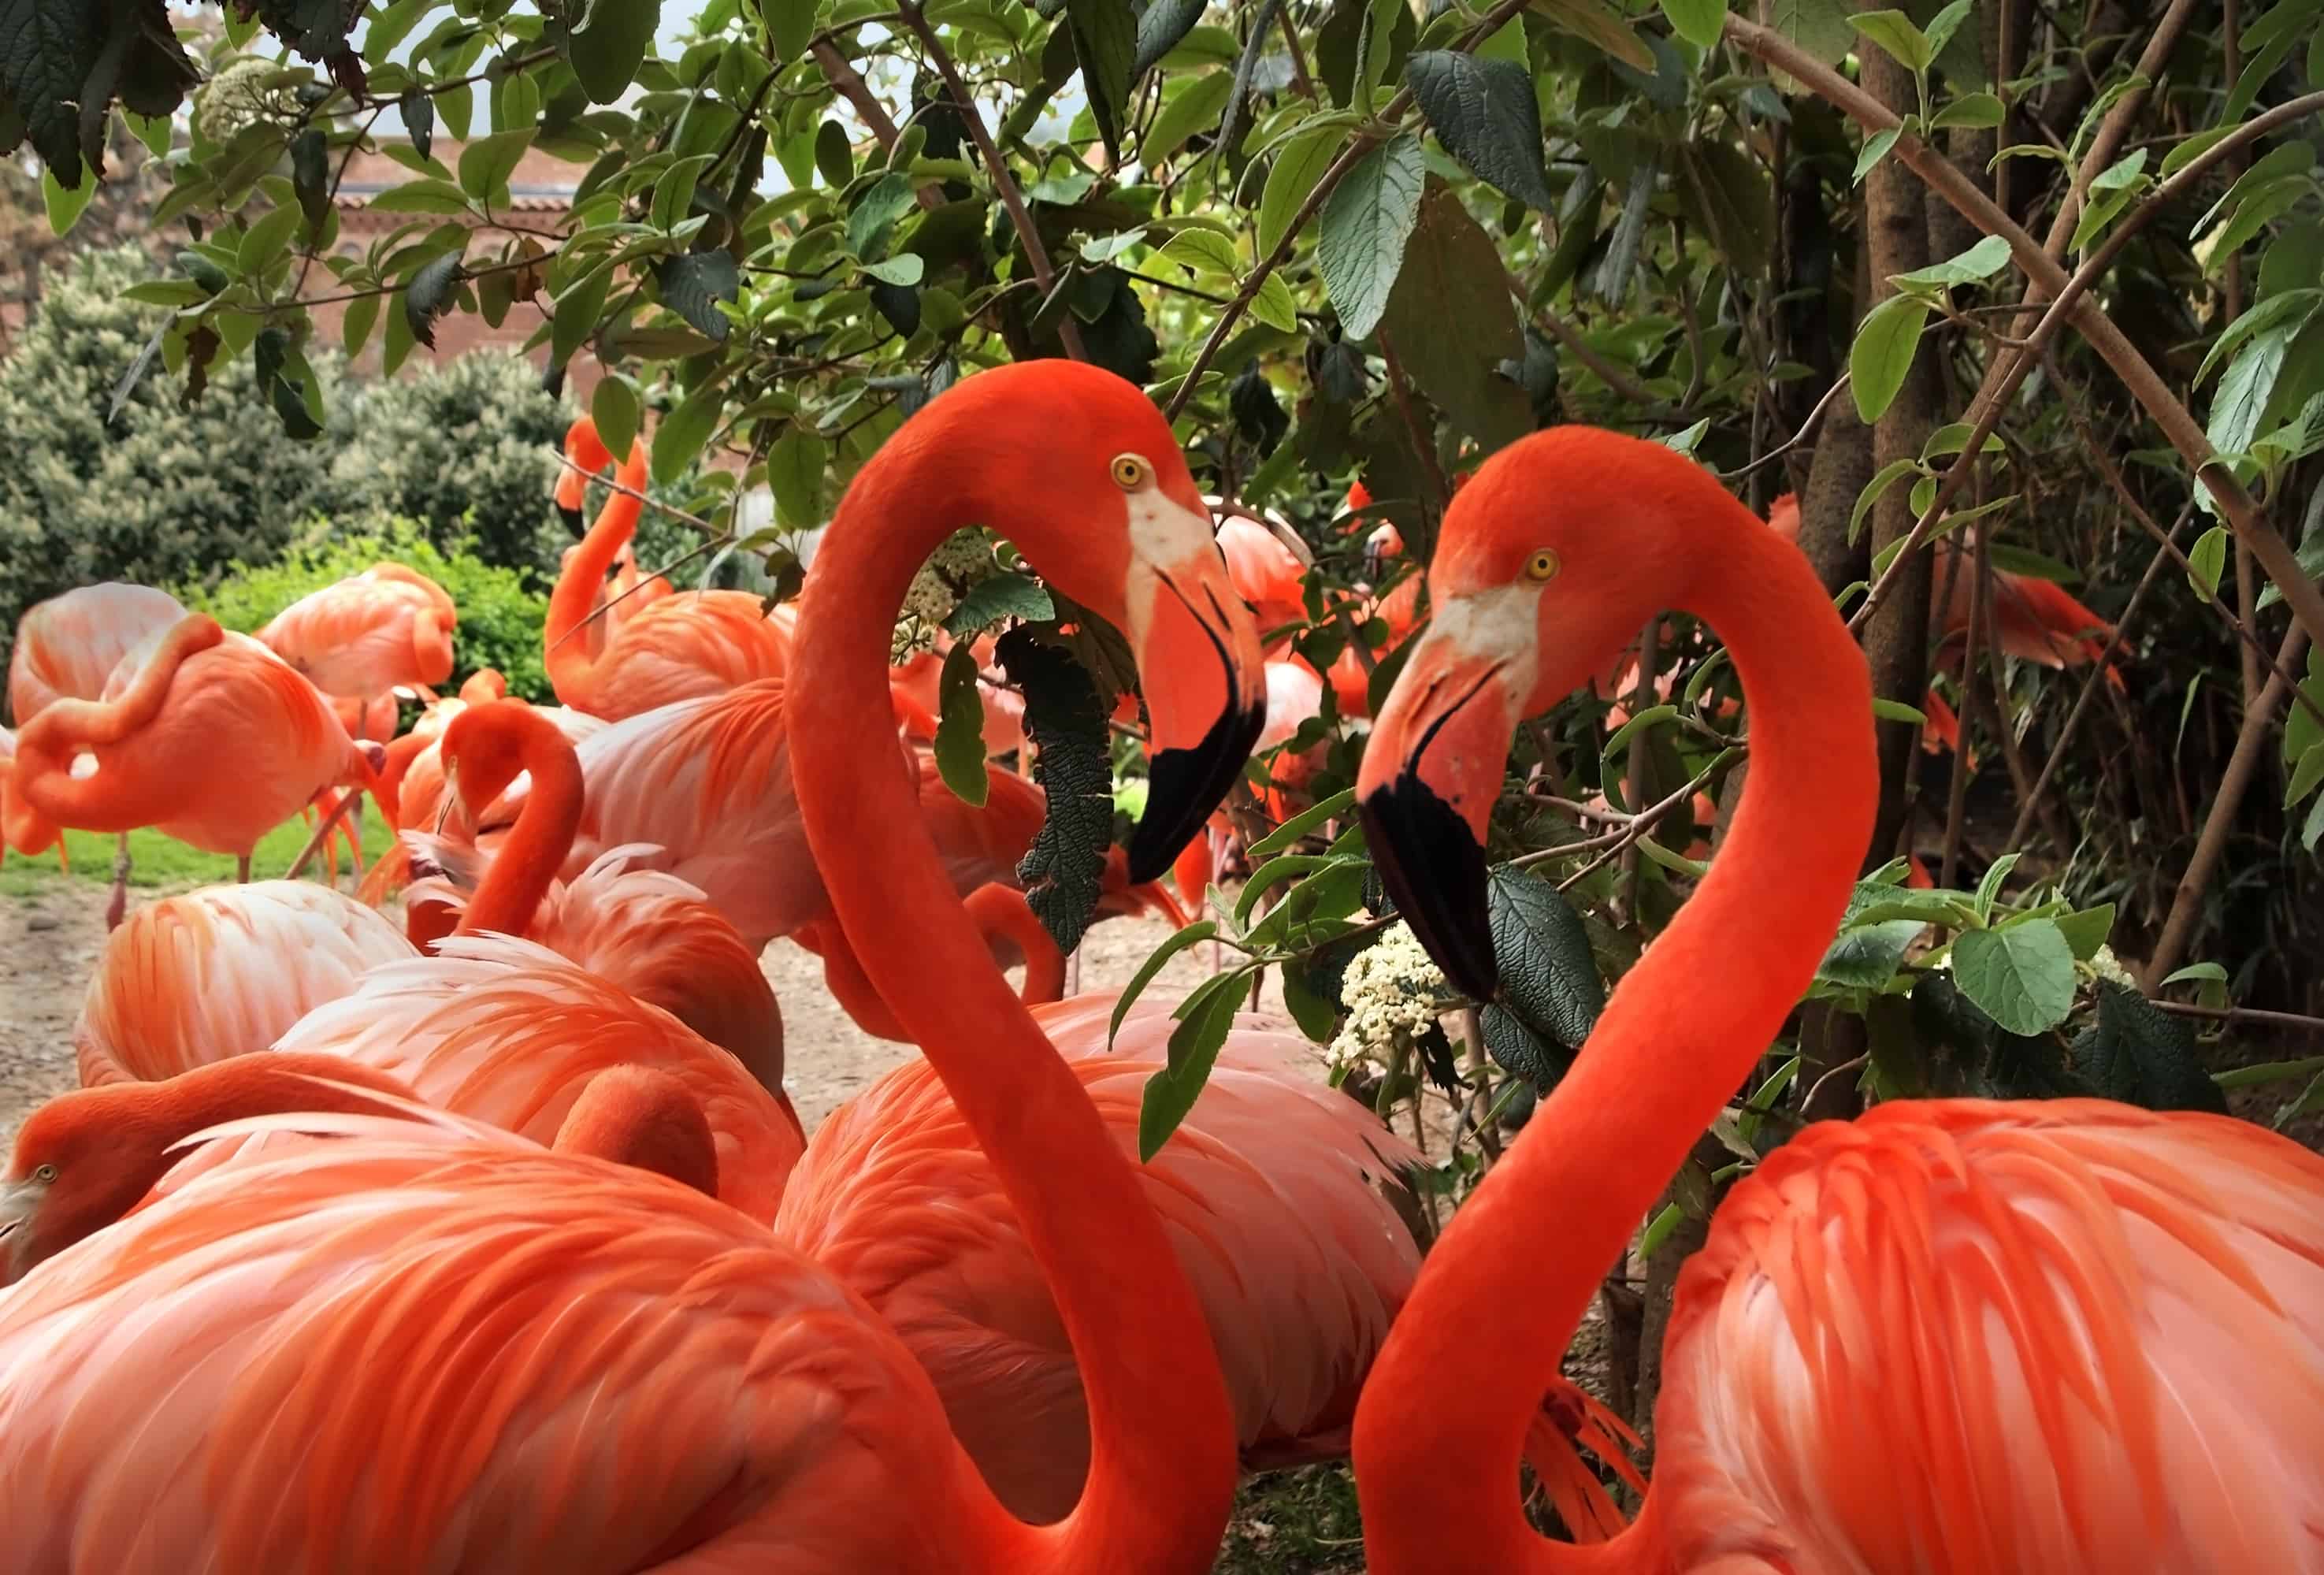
x: 206, y: 735
x: 2058, y: 1335
x: 638, y: 1377
x: 66, y: 647
x: 674, y: 648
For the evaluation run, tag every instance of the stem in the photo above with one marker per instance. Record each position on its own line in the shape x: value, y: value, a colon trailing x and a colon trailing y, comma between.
x: 1440, y: 489
x: 1069, y: 331
x: 1603, y: 370
x: 2044, y: 274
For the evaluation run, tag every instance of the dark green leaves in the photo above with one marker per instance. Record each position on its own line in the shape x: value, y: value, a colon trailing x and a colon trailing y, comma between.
x: 1485, y: 115
x: 1063, y: 717
x: 1105, y: 41
x: 1551, y: 994
x: 311, y: 174
x: 428, y: 295
x: 693, y: 286
x: 999, y: 597
x: 1453, y: 325
x: 959, y: 727
x: 605, y: 49
x: 1206, y: 1017
x: 1166, y: 22
x: 1366, y: 224
x: 1699, y: 21
x: 2142, y: 1056
x: 1882, y: 356
x: 62, y: 63
x: 2023, y: 976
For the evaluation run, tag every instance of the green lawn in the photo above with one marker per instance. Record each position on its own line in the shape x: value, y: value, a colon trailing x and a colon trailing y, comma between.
x: 155, y: 860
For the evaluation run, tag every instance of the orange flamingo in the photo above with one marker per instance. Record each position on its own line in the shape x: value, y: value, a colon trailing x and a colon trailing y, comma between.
x: 206, y: 735
x: 2058, y: 1335
x: 221, y: 972
x: 562, y: 1315
x: 387, y: 627
x: 674, y: 648
x: 1266, y: 573
x: 66, y: 647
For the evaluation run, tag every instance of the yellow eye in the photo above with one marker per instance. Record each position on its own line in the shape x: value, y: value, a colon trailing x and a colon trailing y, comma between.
x: 1541, y: 564
x: 1130, y: 471
x: 47, y: 1173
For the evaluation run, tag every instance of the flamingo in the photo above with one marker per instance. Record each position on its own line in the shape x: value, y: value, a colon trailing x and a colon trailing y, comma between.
x: 674, y: 648
x: 2059, y: 1335
x: 221, y: 972
x: 208, y: 736
x: 640, y: 1375
x: 387, y: 627
x: 66, y: 647
x: 1266, y: 573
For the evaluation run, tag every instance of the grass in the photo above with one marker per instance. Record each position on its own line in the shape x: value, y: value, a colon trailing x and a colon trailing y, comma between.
x: 156, y: 861
x: 1295, y: 1523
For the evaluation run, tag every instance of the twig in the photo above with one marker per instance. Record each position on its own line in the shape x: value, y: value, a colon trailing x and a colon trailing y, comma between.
x: 1603, y: 370
x: 2184, y: 1008
x: 1300, y: 77
x: 1069, y: 331
x: 2044, y: 273
x: 1855, y: 1065
x: 1806, y: 428
x: 2242, y: 765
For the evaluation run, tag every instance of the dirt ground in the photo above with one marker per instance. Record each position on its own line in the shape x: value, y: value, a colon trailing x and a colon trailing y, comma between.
x: 49, y: 942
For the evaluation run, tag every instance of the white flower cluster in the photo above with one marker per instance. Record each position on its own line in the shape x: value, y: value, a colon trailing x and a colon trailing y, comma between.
x: 246, y: 91
x: 2106, y: 965
x: 1391, y: 989
x: 964, y: 558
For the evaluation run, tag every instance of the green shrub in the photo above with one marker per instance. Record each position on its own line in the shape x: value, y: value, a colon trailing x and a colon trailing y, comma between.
x: 501, y: 618
x: 468, y: 450
x: 161, y: 495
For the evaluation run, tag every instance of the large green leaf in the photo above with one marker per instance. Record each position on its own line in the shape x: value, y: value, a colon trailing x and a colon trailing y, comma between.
x: 679, y: 438
x: 607, y: 48
x: 1195, y: 1044
x: 1062, y: 870
x: 1105, y: 41
x: 1549, y: 974
x: 1454, y: 324
x: 1165, y: 23
x: 2142, y: 1056
x: 2022, y: 976
x: 1366, y: 224
x: 959, y: 727
x: 1882, y: 356
x: 2244, y: 387
x: 1485, y: 115
x: 1298, y: 165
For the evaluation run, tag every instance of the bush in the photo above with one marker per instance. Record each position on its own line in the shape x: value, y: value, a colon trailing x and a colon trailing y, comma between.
x: 162, y: 494
x: 501, y: 618
x: 468, y: 450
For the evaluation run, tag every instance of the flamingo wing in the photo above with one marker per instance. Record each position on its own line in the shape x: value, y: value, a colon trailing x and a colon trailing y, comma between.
x: 437, y: 1350
x: 2064, y: 1335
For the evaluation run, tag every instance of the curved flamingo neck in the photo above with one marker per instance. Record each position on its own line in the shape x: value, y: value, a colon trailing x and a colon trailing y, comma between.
x: 1161, y: 1458
x: 1002, y: 910
x: 69, y: 724
x: 584, y: 578
x: 646, y: 1119
x: 1443, y: 1415
x: 520, y: 874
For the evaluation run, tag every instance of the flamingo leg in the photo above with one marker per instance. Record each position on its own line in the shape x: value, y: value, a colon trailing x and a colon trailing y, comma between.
x: 241, y: 869
x: 119, y: 903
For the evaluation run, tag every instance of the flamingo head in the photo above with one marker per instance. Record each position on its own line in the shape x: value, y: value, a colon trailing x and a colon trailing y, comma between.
x: 588, y: 455
x: 1551, y: 556
x: 487, y: 747
x: 81, y: 1162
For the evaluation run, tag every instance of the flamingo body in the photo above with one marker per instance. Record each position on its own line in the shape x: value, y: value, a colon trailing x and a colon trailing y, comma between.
x: 369, y: 633
x: 221, y: 972
x: 68, y: 645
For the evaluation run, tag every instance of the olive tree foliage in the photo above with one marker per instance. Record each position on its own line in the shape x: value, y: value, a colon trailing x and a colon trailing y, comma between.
x: 1383, y: 239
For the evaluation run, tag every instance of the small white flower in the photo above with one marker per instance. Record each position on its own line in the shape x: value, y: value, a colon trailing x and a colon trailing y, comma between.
x: 2106, y: 965
x: 1392, y: 990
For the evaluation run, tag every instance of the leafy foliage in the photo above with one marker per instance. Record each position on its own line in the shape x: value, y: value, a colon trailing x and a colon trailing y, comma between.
x: 1066, y: 725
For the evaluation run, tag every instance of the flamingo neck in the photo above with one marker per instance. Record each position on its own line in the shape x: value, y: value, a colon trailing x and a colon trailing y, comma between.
x: 646, y: 1119
x: 584, y: 578
x: 1003, y: 911
x: 1161, y: 1458
x: 1444, y: 1416
x: 519, y: 877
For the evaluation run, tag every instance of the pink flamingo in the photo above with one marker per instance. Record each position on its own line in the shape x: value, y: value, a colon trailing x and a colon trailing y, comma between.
x: 387, y: 627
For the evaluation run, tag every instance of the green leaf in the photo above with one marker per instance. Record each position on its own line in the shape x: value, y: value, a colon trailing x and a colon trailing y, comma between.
x: 1659, y: 1229
x: 959, y: 727
x: 1194, y: 108
x: 606, y: 50
x: 1003, y: 596
x: 1699, y: 21
x: 1549, y: 974
x: 1061, y: 871
x: 673, y: 198
x: 1988, y: 890
x: 906, y: 267
x: 2208, y: 561
x: 486, y: 163
x: 574, y: 314
x: 2291, y: 309
x: 2244, y: 388
x: 1888, y: 476
x: 1898, y: 39
x: 1159, y: 31
x: 614, y: 408
x: 1301, y: 824
x: 1897, y: 710
x: 1105, y: 42
x: 875, y: 215
x: 311, y: 175
x: 1596, y: 24
x: 1875, y: 148
x: 794, y: 475
x: 1367, y: 223
x: 2309, y: 772
x: 1455, y: 325
x: 2087, y: 931
x: 835, y: 159
x: 1882, y: 356
x: 429, y: 294
x: 1865, y: 956
x: 1316, y: 1016
x: 1194, y: 1045
x: 2022, y: 976
x: 683, y: 432
x: 1201, y: 253
x: 2142, y: 1056
x: 1159, y: 959
x: 1485, y: 113
x: 1298, y: 166
x: 427, y: 195
x: 355, y: 331
x: 694, y: 284
x: 267, y: 239
x: 1974, y: 111
x: 1273, y: 305
x: 1979, y: 263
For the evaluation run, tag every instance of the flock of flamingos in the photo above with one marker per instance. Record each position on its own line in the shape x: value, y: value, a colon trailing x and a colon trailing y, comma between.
x: 493, y: 1243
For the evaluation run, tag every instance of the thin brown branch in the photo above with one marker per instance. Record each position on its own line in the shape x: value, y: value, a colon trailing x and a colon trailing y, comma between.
x: 1300, y: 77
x: 2187, y: 1009
x: 1603, y: 370
x: 1440, y: 490
x: 2045, y: 274
x: 1807, y: 429
x: 1069, y: 331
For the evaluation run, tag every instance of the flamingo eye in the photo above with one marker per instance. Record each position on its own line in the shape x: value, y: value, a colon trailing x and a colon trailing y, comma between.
x: 1541, y: 564
x: 47, y: 1173
x: 1130, y: 471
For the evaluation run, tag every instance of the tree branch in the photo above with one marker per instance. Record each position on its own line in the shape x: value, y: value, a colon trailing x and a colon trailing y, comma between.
x: 2044, y: 273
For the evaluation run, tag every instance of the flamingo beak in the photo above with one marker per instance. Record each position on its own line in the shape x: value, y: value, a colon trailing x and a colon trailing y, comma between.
x: 1431, y: 771
x: 1198, y: 661
x: 572, y: 492
x: 19, y: 1201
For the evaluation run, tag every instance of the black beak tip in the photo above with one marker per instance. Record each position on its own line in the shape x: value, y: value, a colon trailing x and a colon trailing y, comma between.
x: 1434, y: 869
x: 572, y: 518
x: 1184, y: 786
